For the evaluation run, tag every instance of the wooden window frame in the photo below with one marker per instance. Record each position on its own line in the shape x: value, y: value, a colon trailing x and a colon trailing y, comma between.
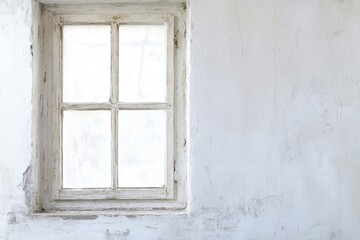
x: 52, y: 197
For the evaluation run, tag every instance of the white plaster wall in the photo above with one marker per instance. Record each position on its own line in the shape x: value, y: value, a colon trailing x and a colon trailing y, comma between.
x: 274, y: 116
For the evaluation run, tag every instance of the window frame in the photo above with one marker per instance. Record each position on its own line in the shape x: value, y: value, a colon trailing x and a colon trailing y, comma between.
x: 52, y: 196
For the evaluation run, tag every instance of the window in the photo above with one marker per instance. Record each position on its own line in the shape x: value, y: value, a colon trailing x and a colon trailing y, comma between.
x: 112, y: 116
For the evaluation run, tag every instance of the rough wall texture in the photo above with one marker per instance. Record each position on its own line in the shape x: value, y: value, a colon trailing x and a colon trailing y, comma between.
x: 274, y: 116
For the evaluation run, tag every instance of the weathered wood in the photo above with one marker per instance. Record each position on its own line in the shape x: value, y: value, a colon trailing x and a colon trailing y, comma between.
x: 142, y: 106
x: 114, y: 99
x: 115, y: 9
x: 119, y: 193
x: 108, y: 1
x: 116, y: 106
x: 173, y: 196
x: 85, y: 106
x: 171, y: 128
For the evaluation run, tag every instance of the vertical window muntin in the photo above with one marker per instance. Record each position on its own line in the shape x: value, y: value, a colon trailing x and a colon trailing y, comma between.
x: 115, y: 192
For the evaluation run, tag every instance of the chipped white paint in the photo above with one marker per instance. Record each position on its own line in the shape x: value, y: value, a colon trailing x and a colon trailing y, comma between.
x: 54, y: 198
x: 274, y: 115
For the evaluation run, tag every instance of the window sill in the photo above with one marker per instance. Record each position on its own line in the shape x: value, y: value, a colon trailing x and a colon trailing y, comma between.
x: 110, y: 213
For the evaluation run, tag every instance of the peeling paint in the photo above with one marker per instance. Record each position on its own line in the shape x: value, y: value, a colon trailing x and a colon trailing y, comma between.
x: 117, y: 235
x: 272, y: 162
x: 27, y: 183
x: 11, y: 218
x: 80, y: 217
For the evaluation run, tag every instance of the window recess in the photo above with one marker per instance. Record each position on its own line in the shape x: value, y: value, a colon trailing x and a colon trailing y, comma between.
x: 113, y: 90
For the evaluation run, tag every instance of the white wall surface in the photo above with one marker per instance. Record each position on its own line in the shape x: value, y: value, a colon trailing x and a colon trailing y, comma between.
x: 275, y: 127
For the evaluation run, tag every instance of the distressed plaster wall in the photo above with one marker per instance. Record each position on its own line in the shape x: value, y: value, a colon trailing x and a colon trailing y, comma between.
x: 274, y: 115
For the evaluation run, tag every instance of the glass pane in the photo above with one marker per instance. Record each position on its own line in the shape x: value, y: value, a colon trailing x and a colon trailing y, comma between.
x: 86, y: 63
x: 86, y: 149
x: 142, y: 63
x: 142, y: 148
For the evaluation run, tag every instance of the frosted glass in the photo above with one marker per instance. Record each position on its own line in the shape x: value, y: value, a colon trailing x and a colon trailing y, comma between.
x: 142, y: 148
x: 86, y: 149
x: 86, y: 63
x: 142, y: 63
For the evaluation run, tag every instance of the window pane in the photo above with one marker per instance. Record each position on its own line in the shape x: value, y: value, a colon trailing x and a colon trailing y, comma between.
x: 86, y: 149
x: 142, y: 148
x: 86, y: 63
x: 142, y: 63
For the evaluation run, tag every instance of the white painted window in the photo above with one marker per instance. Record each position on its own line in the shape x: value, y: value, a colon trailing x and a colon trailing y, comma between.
x: 112, y: 85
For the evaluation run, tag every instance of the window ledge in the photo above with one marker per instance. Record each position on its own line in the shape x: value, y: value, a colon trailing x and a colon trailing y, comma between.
x: 110, y: 213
